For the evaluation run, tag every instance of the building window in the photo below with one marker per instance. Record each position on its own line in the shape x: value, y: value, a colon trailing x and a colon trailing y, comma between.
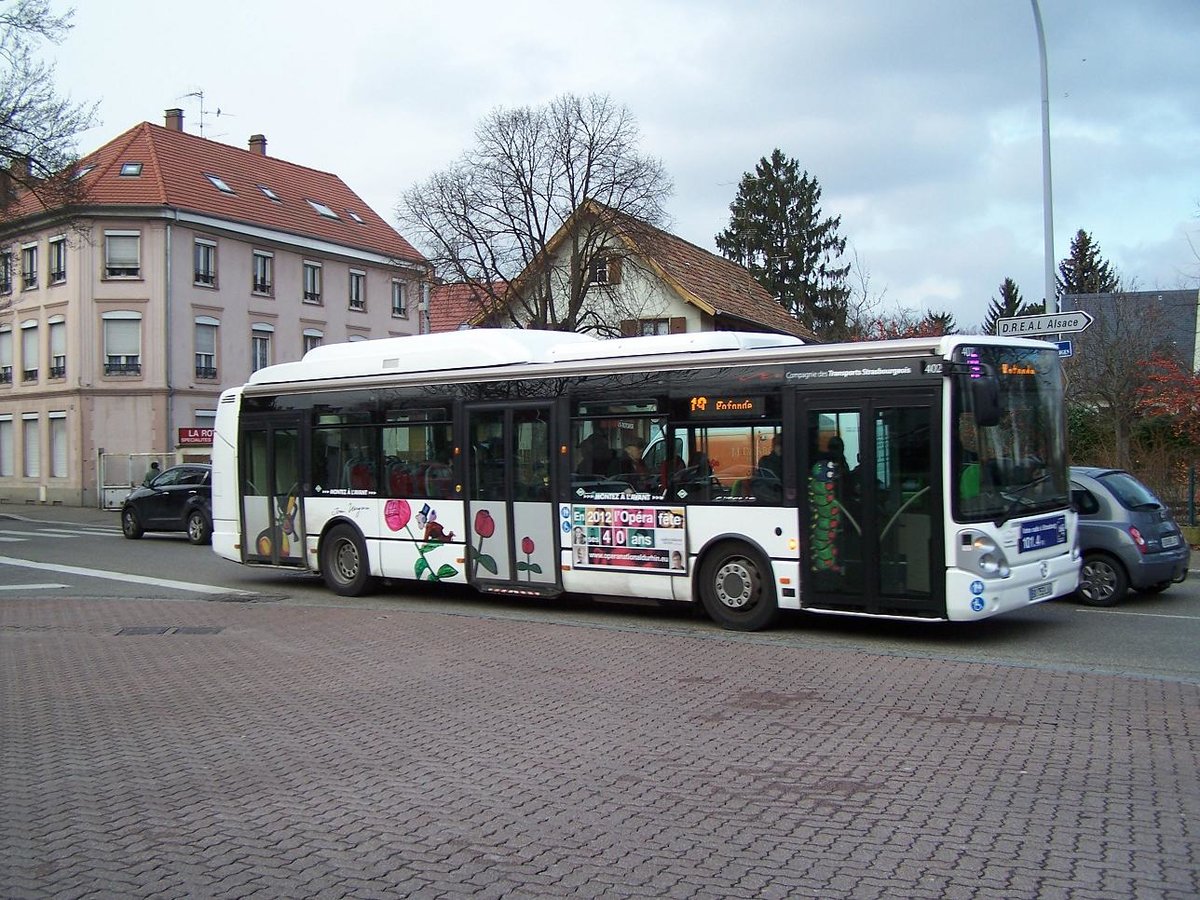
x: 399, y: 299
x: 29, y: 350
x: 32, y: 446
x: 122, y: 343
x: 6, y: 272
x: 646, y: 327
x: 604, y: 269
x: 58, y: 260
x: 264, y: 264
x: 58, y: 348
x: 313, y: 338
x: 358, y: 290
x: 6, y: 354
x: 205, y: 256
x: 29, y: 266
x: 206, y: 348
x: 131, y: 169
x: 122, y: 254
x: 269, y: 194
x: 6, y: 446
x: 58, y: 445
x: 312, y: 282
x: 260, y: 347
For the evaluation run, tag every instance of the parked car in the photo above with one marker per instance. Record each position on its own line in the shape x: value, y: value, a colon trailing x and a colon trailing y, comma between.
x: 1127, y: 537
x: 178, y: 499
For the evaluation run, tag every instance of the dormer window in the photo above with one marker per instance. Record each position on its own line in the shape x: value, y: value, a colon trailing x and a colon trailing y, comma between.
x: 218, y: 183
x: 269, y: 194
x: 131, y: 169
x: 323, y: 209
x: 82, y: 172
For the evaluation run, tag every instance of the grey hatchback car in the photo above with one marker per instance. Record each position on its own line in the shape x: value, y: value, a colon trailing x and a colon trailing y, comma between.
x: 1127, y: 537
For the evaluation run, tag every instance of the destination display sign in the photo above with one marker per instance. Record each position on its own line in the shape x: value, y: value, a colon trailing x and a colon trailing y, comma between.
x: 718, y: 407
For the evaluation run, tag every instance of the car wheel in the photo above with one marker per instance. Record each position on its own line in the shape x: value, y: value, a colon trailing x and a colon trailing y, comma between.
x: 1102, y: 581
x: 736, y: 588
x: 131, y: 526
x: 199, y: 527
x: 344, y: 563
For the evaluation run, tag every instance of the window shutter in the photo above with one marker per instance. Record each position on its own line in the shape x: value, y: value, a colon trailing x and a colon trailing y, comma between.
x: 678, y: 325
x: 122, y: 251
x: 629, y: 328
x: 614, y: 270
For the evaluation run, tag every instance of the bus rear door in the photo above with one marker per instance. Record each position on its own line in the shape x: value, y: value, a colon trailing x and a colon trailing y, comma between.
x: 512, y: 536
x: 272, y: 514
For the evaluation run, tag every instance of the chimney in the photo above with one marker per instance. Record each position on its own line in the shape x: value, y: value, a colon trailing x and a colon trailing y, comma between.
x: 174, y: 119
x: 258, y: 144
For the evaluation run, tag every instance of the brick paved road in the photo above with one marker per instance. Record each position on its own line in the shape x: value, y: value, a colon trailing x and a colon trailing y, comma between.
x: 258, y: 750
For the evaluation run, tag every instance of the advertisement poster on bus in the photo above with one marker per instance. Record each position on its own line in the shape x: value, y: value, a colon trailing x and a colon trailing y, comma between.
x: 646, y: 538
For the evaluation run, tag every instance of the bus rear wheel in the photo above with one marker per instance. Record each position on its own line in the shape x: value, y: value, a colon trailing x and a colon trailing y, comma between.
x: 736, y: 588
x: 344, y: 563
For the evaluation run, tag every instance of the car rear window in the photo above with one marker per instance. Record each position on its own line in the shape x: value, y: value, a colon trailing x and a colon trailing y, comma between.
x: 1130, y: 492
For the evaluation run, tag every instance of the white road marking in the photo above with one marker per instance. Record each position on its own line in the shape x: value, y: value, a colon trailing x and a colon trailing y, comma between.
x: 29, y: 587
x: 122, y: 576
x: 1126, y: 612
x: 25, y: 535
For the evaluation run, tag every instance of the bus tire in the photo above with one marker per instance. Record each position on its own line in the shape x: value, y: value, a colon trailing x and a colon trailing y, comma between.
x: 344, y: 563
x: 737, y: 589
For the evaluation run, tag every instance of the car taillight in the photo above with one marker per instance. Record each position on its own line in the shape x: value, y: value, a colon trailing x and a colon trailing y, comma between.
x: 1138, y: 540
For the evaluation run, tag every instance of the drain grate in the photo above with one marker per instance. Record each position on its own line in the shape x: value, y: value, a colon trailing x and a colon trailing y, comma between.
x: 169, y: 629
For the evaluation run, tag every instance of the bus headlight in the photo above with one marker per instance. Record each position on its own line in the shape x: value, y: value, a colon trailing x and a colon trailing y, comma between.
x: 979, y: 553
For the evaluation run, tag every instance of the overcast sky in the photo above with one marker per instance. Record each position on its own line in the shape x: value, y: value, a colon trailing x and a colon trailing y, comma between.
x: 921, y: 119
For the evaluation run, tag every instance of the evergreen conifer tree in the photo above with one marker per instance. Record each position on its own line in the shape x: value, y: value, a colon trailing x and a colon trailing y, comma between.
x: 777, y: 231
x: 1085, y: 271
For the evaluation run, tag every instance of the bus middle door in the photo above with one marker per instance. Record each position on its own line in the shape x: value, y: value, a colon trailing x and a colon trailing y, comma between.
x: 512, y: 539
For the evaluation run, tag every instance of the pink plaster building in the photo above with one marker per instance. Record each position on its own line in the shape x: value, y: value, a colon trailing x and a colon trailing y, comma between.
x: 191, y: 264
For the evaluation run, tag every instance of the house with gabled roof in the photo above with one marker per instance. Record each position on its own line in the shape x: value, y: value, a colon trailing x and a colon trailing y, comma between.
x: 639, y: 280
x: 189, y: 264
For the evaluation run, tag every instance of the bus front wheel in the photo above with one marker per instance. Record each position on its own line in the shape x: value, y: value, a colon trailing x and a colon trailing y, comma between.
x: 344, y: 563
x: 737, y: 589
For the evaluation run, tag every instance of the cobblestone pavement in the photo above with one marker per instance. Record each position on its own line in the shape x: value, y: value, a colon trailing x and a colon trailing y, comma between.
x: 192, y: 749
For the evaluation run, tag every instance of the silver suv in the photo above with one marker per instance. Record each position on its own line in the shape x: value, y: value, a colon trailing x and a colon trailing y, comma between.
x: 1127, y: 537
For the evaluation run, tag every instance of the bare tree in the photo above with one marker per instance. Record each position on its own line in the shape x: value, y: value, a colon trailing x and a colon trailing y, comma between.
x: 1112, y: 363
x: 493, y: 218
x: 38, y: 127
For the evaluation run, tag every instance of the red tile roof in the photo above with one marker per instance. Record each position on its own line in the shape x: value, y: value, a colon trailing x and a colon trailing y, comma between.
x: 173, y: 174
x: 453, y: 305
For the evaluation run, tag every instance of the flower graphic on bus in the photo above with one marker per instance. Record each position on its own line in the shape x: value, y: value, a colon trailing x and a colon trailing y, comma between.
x: 485, y: 527
x: 397, y: 514
x: 528, y: 567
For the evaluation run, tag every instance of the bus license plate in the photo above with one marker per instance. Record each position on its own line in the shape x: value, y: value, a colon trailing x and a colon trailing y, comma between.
x: 1171, y: 540
x: 1041, y: 591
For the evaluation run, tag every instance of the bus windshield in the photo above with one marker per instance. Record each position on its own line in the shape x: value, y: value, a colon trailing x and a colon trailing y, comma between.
x: 1014, y: 464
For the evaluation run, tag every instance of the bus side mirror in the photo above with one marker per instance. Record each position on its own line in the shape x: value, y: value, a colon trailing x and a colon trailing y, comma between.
x: 985, y: 398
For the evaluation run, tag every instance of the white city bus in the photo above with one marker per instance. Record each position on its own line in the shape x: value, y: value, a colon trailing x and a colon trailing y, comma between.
x: 915, y: 479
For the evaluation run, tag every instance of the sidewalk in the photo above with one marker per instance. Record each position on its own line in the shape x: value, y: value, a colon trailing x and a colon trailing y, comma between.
x: 66, y: 515
x: 232, y: 749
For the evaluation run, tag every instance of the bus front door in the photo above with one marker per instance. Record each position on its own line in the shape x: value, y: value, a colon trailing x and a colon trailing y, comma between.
x: 272, y: 518
x: 870, y: 498
x: 511, y: 533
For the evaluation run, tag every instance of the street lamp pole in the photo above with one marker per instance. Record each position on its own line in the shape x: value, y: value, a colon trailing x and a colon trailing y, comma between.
x: 1047, y: 202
